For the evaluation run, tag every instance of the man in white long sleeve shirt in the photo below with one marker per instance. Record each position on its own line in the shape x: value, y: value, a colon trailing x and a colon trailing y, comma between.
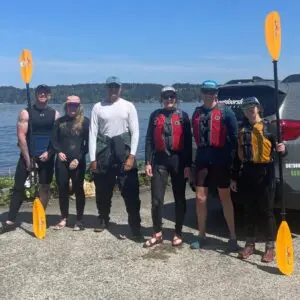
x: 115, y: 123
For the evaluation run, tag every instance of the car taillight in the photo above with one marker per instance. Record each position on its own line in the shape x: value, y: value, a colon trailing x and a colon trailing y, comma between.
x: 290, y: 129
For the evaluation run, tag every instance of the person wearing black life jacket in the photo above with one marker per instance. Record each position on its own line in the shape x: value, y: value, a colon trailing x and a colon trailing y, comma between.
x: 215, y: 133
x: 70, y: 140
x: 254, y: 167
x: 42, y: 118
x: 168, y: 150
x: 113, y: 142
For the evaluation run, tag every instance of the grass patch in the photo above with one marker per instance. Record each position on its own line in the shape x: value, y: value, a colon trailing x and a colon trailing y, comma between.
x: 7, y: 182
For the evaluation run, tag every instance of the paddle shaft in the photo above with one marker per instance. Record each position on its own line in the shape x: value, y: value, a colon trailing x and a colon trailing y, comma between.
x: 29, y: 120
x: 32, y: 178
x: 279, y: 140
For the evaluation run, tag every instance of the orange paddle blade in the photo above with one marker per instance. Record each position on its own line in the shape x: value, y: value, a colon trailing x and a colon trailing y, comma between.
x: 284, y: 249
x: 26, y: 65
x: 38, y: 219
x: 273, y: 34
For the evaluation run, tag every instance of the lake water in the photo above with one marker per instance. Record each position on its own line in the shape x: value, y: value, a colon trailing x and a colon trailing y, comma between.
x: 9, y: 151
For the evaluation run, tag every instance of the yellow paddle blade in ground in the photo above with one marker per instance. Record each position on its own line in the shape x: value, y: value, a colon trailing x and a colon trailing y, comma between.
x: 273, y: 34
x: 26, y: 65
x: 38, y: 219
x: 284, y: 249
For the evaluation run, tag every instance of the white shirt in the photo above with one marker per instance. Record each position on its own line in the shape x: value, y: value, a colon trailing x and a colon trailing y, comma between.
x: 112, y: 120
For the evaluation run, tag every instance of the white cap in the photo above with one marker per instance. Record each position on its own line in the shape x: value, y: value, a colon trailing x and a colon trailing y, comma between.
x: 168, y: 88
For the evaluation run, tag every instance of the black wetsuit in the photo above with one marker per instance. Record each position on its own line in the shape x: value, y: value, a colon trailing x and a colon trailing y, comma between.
x: 42, y: 124
x: 74, y: 146
x: 165, y: 163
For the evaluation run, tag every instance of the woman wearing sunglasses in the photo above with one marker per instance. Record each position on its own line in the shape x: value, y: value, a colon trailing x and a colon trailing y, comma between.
x: 256, y: 150
x: 70, y: 142
x: 168, y: 150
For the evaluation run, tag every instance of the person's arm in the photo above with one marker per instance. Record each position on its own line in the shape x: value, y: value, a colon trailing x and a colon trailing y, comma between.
x: 133, y: 122
x: 85, y: 149
x: 236, y: 166
x: 188, y: 142
x: 232, y: 128
x: 93, y: 132
x: 22, y: 130
x: 55, y: 144
x: 50, y: 150
x: 272, y: 139
x: 57, y: 115
x: 149, y: 146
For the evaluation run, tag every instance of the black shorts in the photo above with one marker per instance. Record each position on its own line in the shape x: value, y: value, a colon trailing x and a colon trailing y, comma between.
x: 45, y: 172
x: 213, y: 174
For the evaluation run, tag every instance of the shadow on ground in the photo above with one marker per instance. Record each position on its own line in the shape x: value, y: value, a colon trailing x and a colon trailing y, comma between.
x: 216, y: 224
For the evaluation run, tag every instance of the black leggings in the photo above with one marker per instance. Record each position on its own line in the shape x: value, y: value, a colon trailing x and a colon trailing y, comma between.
x: 63, y: 175
x: 162, y: 167
x: 45, y: 175
x: 128, y: 184
x: 257, y: 186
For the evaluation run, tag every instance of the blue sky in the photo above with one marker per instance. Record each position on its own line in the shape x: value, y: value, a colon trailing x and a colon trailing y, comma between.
x: 144, y: 41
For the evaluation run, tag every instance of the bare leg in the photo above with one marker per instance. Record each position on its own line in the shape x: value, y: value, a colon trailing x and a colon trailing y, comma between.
x: 225, y: 197
x: 201, y: 208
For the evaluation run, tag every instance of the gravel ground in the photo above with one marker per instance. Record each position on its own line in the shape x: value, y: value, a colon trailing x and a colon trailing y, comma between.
x: 88, y: 265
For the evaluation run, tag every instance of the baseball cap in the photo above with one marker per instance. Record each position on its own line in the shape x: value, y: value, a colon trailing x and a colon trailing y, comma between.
x: 113, y: 80
x: 168, y: 88
x: 249, y: 101
x: 209, y: 85
x: 43, y: 87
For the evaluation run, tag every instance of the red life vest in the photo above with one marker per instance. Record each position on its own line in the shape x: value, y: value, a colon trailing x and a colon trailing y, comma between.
x: 168, y: 132
x: 209, y: 128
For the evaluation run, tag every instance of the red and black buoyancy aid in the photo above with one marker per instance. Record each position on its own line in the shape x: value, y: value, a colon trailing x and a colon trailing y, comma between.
x: 209, y: 128
x: 168, y: 131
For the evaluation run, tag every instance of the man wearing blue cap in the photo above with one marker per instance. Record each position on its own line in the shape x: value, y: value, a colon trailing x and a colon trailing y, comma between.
x: 215, y: 133
x: 113, y: 142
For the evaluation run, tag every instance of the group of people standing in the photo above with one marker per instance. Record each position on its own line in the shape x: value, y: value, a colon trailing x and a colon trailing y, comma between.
x: 226, y: 153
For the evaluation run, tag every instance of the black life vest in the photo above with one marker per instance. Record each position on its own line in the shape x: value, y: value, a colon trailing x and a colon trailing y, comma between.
x: 42, y: 121
x: 168, y: 132
x: 209, y: 128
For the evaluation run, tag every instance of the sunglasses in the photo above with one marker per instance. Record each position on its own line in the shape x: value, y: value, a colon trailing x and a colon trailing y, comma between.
x: 72, y: 105
x: 247, y: 107
x: 209, y: 92
x: 167, y: 97
x: 43, y: 91
x: 113, y: 86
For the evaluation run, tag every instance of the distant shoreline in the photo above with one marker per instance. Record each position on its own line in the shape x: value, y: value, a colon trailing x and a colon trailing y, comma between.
x: 57, y: 103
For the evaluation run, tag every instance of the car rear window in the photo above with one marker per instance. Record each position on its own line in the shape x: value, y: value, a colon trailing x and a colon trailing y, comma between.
x: 233, y: 97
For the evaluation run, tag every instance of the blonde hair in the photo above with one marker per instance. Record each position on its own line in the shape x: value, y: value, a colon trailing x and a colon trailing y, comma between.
x: 79, y: 119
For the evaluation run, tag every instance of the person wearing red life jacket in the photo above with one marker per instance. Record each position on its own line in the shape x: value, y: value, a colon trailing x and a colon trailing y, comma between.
x: 215, y: 131
x: 168, y: 151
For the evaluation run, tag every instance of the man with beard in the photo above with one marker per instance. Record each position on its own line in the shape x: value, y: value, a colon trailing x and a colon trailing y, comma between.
x: 113, y: 141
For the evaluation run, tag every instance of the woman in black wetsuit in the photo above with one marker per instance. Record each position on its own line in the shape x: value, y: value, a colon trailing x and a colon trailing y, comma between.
x: 70, y: 142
